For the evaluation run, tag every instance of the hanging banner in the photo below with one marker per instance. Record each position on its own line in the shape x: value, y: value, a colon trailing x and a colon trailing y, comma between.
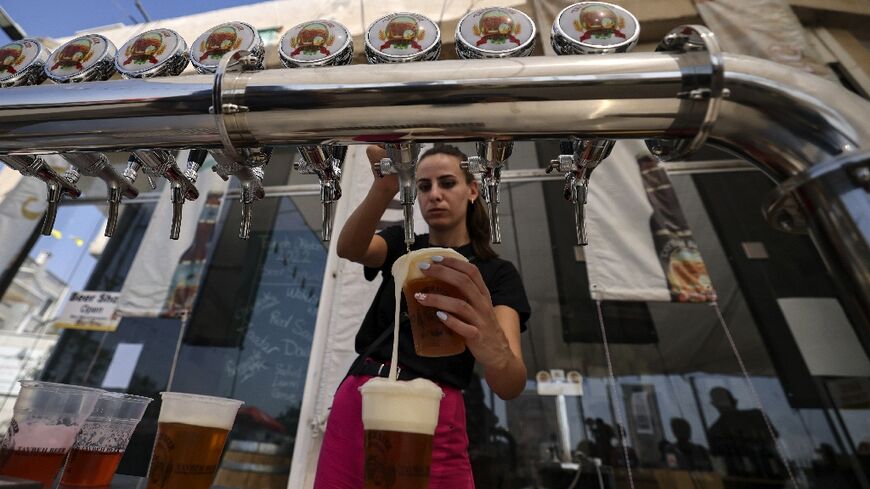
x: 152, y: 288
x: 766, y: 29
x: 640, y: 245
x: 90, y: 310
x: 22, y: 205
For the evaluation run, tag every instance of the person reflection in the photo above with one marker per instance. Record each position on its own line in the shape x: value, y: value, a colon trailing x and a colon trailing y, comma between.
x: 603, y: 448
x: 683, y: 454
x: 740, y: 437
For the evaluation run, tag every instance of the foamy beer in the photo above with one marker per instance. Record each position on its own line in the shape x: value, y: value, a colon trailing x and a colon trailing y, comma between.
x: 45, y: 421
x: 399, y: 420
x: 191, y: 433
x: 431, y: 337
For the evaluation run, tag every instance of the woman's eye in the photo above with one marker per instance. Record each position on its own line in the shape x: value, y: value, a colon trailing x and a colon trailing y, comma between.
x: 423, y: 187
x: 448, y: 183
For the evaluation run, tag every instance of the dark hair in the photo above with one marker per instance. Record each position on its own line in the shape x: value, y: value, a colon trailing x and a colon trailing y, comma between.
x: 476, y: 219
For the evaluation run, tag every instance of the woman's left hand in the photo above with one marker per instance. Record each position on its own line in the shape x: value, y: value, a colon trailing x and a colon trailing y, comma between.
x: 474, y: 317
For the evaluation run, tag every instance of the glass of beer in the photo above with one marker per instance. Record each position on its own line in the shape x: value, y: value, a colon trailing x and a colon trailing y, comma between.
x: 191, y: 432
x: 45, y: 420
x: 100, y: 444
x: 431, y: 337
x: 399, y: 419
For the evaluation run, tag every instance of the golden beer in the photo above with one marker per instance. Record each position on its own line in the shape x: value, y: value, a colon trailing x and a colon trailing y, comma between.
x: 191, y: 433
x: 186, y: 456
x: 431, y: 337
x: 399, y: 419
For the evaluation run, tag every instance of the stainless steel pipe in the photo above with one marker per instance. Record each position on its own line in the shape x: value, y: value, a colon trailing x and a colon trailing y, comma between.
x: 782, y: 120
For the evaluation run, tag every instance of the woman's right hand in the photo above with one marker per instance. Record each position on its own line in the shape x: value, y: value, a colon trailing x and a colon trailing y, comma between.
x: 388, y: 183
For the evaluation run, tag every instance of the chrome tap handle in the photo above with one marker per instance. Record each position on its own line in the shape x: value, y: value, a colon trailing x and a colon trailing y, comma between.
x: 474, y: 165
x: 55, y: 193
x: 491, y: 182
x: 177, y: 194
x: 131, y: 173
x: 402, y: 160
x: 247, y: 210
x: 384, y: 167
x: 114, y: 205
x: 194, y: 162
x: 579, y: 192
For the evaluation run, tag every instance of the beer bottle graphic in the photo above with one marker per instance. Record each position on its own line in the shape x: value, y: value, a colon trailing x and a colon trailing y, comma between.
x: 685, y: 271
x: 191, y: 265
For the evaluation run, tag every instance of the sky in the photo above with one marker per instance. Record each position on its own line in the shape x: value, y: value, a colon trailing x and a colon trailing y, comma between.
x: 60, y: 18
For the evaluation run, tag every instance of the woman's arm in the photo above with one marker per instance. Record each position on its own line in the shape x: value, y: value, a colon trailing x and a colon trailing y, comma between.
x: 357, y: 241
x: 492, y: 334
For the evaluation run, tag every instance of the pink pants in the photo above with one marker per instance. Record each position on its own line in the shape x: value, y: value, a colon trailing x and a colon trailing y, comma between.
x: 342, y: 455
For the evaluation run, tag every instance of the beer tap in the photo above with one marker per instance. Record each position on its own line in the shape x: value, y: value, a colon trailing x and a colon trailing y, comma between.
x: 23, y: 63
x: 400, y: 38
x: 313, y: 44
x: 83, y: 59
x: 588, y: 28
x: 157, y: 53
x: 488, y: 33
x: 247, y: 164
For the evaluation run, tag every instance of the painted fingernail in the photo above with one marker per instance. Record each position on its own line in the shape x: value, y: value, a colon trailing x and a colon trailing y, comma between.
x: 441, y: 315
x: 437, y: 258
x: 423, y: 265
x: 420, y: 296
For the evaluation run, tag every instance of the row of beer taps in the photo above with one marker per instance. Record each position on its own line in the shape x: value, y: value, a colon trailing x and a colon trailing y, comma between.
x: 496, y: 32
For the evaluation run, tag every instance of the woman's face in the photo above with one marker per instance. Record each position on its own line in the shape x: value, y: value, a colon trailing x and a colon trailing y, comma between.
x: 443, y: 192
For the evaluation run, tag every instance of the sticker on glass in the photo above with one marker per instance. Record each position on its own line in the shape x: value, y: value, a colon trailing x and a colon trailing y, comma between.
x: 17, y: 56
x: 148, y: 50
x: 314, y: 41
x: 402, y: 34
x: 210, y: 47
x: 77, y: 56
x: 597, y: 24
x: 496, y: 29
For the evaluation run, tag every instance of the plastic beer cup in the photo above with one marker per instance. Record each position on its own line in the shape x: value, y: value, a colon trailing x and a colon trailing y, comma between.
x: 431, y: 337
x: 191, y: 433
x: 100, y: 444
x: 399, y: 420
x: 45, y: 421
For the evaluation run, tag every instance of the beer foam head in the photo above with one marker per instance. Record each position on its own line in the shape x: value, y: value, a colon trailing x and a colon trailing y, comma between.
x: 405, y: 268
x: 407, y: 406
x: 196, y: 410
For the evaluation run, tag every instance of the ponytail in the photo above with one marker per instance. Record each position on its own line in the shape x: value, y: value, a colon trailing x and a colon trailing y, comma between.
x: 476, y: 219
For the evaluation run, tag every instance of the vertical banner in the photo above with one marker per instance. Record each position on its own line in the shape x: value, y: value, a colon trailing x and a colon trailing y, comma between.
x: 165, y: 273
x: 765, y: 29
x: 22, y: 205
x: 640, y: 245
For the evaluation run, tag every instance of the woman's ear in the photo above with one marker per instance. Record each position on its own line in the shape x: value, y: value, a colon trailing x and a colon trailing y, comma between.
x: 474, y: 189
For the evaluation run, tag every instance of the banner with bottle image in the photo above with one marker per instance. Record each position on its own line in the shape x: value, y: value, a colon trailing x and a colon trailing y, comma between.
x: 640, y: 245
x: 153, y: 289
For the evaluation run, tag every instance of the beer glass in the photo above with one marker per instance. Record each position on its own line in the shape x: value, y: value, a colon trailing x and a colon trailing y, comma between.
x: 399, y: 420
x: 45, y: 420
x: 100, y: 444
x: 431, y: 337
x: 191, y: 432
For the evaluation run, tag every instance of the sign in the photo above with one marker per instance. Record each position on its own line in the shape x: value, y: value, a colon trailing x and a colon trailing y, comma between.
x: 555, y: 382
x: 90, y: 310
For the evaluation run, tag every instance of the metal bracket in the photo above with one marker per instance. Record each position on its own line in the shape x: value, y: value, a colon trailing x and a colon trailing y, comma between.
x: 221, y: 107
x: 783, y: 211
x: 703, y: 84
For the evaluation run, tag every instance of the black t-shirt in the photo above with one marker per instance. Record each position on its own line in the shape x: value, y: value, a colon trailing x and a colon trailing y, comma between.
x: 505, y: 288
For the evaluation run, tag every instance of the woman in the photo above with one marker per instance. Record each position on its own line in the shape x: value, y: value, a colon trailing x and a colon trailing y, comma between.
x: 490, y: 319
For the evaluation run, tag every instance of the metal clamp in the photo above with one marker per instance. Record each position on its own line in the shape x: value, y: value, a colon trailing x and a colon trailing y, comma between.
x: 221, y: 106
x: 783, y: 211
x: 703, y: 89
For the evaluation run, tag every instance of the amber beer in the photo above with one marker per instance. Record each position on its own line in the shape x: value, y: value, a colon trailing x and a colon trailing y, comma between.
x: 191, y: 433
x: 90, y: 468
x: 399, y: 420
x: 431, y: 337
x: 37, y: 464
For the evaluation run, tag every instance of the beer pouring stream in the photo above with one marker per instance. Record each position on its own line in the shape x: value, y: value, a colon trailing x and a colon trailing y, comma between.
x: 400, y: 38
x: 493, y: 33
x: 242, y: 46
x: 313, y: 44
x: 588, y: 28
